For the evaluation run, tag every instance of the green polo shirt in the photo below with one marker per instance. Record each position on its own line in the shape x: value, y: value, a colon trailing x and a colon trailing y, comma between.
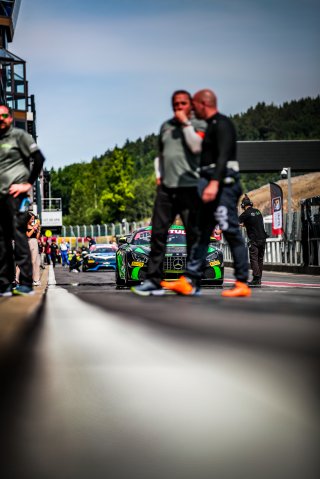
x: 16, y: 146
x: 178, y: 164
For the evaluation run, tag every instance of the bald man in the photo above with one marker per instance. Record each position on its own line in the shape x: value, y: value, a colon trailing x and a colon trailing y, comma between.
x: 220, y: 191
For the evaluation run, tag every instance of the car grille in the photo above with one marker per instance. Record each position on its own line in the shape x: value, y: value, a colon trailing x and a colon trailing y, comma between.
x: 175, y: 263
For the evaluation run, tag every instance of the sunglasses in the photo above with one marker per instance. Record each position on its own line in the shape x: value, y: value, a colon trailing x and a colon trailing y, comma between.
x: 4, y: 115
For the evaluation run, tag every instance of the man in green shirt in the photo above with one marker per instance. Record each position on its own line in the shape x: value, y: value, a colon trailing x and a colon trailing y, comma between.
x: 17, y: 147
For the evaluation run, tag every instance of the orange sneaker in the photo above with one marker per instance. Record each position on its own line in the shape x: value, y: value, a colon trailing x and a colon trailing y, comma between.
x: 239, y: 289
x: 182, y: 286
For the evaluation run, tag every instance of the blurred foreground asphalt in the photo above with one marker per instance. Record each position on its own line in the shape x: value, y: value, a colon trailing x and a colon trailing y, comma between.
x: 111, y: 385
x: 17, y: 315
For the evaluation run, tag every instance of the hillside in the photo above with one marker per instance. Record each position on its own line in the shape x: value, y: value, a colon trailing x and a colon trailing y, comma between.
x: 302, y: 187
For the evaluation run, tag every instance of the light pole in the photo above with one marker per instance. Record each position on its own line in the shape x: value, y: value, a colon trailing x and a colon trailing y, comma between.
x: 286, y: 173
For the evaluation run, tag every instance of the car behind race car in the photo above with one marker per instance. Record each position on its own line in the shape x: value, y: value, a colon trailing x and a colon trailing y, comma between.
x: 102, y: 256
x: 133, y: 255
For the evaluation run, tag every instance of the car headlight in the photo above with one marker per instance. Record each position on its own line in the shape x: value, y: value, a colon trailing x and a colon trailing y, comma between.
x: 140, y: 257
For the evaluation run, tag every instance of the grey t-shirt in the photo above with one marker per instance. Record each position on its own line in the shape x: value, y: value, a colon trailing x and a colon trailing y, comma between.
x: 178, y: 164
x: 16, y: 146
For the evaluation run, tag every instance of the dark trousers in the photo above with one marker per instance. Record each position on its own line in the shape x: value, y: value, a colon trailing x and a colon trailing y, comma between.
x: 53, y: 259
x: 170, y: 202
x: 256, y: 254
x: 13, y: 226
x: 223, y: 211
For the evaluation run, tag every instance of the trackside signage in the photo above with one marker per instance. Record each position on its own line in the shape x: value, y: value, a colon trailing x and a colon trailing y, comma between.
x: 276, y: 208
x: 51, y: 218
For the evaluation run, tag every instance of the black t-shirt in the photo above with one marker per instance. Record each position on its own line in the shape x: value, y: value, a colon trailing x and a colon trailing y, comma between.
x: 219, y: 149
x: 54, y: 248
x: 253, y: 221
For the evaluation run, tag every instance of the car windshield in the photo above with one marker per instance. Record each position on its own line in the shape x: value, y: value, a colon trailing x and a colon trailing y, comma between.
x: 175, y: 236
x: 103, y: 250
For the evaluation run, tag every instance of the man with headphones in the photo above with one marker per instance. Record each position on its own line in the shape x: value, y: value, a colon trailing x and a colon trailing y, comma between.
x: 252, y: 220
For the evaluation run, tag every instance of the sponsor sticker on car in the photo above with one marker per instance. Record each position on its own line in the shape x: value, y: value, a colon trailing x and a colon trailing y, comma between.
x: 137, y: 263
x: 214, y: 263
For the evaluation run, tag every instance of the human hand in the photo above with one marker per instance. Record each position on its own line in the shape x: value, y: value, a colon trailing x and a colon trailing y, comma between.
x: 210, y: 192
x: 16, y: 189
x: 181, y: 116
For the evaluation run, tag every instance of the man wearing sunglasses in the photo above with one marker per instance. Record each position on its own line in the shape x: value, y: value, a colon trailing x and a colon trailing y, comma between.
x: 17, y: 147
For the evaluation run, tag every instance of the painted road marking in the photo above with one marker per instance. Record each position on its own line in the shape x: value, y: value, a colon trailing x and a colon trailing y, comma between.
x: 283, y: 284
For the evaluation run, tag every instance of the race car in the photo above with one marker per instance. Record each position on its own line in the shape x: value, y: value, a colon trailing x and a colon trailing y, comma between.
x: 133, y: 255
x: 102, y: 256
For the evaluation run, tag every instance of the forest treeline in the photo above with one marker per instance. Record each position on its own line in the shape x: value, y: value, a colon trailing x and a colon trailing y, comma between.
x: 121, y: 182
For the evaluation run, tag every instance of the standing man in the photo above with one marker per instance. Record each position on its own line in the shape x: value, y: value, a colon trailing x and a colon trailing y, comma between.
x: 64, y: 248
x: 220, y: 191
x: 179, y: 158
x: 91, y: 241
x: 17, y: 147
x: 252, y: 220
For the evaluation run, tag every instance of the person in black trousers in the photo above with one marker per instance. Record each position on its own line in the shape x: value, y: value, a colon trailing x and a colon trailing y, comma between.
x: 177, y: 178
x: 17, y: 147
x: 220, y: 189
x: 252, y: 220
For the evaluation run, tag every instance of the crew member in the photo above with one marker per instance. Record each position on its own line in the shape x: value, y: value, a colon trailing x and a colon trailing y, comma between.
x: 179, y: 145
x: 16, y: 149
x: 220, y: 191
x: 252, y: 220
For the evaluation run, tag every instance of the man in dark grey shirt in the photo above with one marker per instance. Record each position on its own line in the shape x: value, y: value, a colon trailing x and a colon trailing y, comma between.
x: 179, y: 158
x: 17, y: 147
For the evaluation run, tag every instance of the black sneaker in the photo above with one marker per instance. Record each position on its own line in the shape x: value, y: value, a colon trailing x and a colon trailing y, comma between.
x: 148, y: 288
x: 6, y: 291
x: 22, y: 290
x: 256, y: 282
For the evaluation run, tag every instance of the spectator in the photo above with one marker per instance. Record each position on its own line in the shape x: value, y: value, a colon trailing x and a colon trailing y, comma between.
x: 64, y: 247
x: 47, y: 251
x: 53, y: 252
x: 33, y: 235
x: 41, y: 246
x: 15, y: 181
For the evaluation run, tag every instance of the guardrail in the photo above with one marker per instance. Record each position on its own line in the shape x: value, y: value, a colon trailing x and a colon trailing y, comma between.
x: 278, y: 252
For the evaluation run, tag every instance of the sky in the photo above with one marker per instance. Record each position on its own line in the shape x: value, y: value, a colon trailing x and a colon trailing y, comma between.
x: 103, y: 71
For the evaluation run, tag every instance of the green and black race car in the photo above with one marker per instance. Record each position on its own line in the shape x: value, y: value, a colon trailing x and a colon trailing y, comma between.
x: 133, y: 255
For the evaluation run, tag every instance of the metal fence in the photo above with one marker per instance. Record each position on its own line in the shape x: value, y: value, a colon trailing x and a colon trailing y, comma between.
x: 278, y: 252
x: 110, y: 229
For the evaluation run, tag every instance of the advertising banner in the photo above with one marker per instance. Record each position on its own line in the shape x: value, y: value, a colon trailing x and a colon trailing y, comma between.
x: 276, y: 209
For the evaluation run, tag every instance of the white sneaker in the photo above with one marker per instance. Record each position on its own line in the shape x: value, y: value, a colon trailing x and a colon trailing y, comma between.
x: 36, y: 283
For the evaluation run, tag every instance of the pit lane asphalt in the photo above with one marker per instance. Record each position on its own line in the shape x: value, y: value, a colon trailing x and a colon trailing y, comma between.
x: 115, y: 385
x: 283, y: 314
